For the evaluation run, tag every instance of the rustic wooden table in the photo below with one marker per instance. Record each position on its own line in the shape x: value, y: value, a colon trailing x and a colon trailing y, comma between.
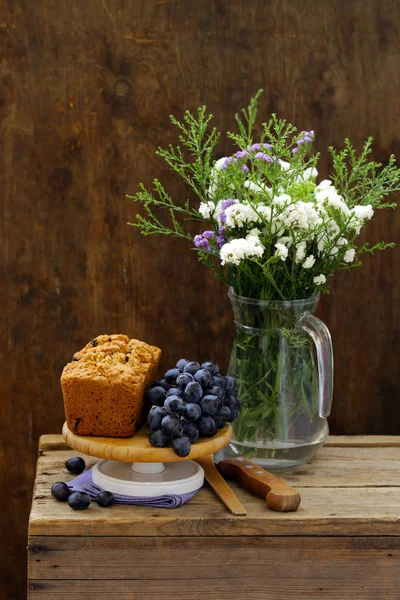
x: 343, y: 542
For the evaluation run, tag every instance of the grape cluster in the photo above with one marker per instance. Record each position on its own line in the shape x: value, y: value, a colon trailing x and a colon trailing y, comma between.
x: 191, y: 401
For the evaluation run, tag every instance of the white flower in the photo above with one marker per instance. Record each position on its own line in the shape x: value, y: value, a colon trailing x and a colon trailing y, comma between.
x: 323, y: 185
x: 319, y: 279
x: 285, y: 166
x: 240, y: 214
x: 363, y: 212
x: 214, y: 175
x: 341, y: 242
x: 333, y: 251
x: 349, y: 255
x: 239, y: 249
x: 309, y: 262
x: 330, y: 197
x: 282, y: 200
x: 281, y: 251
x: 257, y: 187
x: 286, y: 240
x: 206, y: 209
x: 300, y: 251
x: 219, y: 164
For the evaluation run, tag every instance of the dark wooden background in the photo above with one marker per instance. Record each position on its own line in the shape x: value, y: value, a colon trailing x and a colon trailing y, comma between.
x: 86, y: 90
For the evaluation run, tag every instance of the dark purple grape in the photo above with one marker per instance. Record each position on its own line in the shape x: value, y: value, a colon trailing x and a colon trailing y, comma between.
x: 233, y: 416
x: 183, y: 379
x: 191, y: 367
x: 224, y: 412
x: 155, y: 395
x: 204, y: 378
x: 75, y: 465
x: 181, y: 446
x: 171, y: 375
x: 182, y: 362
x: 160, y: 382
x: 211, y: 366
x: 193, y: 392
x: 217, y: 391
x: 79, y: 500
x: 60, y: 491
x: 209, y: 405
x: 171, y: 425
x: 155, y: 416
x: 192, y: 412
x: 175, y: 391
x: 232, y: 403
x: 207, y: 426
x: 158, y: 438
x: 230, y: 384
x: 174, y: 404
x: 192, y: 432
x: 220, y: 381
x: 105, y: 499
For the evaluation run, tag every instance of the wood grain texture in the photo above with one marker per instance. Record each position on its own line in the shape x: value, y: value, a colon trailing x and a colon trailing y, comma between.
x: 138, y: 447
x: 86, y: 90
x: 344, y: 491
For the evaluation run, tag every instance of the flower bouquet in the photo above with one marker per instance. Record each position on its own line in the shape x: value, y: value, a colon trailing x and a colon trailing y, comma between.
x: 274, y: 235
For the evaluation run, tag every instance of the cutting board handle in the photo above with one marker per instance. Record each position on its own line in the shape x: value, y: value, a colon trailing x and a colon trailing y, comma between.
x: 279, y: 495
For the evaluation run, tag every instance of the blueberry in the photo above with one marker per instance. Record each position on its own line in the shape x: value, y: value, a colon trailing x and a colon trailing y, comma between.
x: 79, y: 500
x: 181, y: 364
x: 233, y: 416
x: 183, y: 379
x: 158, y: 438
x: 192, y: 412
x: 171, y: 425
x: 174, y: 391
x: 191, y: 367
x: 222, y: 416
x: 230, y: 383
x: 209, y: 405
x: 174, y: 404
x: 94, y: 343
x: 162, y: 383
x: 218, y: 391
x: 75, y: 465
x: 171, y: 375
x: 207, y: 426
x: 204, y: 378
x: 232, y: 403
x: 155, y: 416
x: 192, y: 432
x: 156, y: 395
x: 193, y: 392
x: 105, y: 499
x: 211, y: 366
x: 60, y: 491
x: 220, y: 381
x: 220, y: 422
x: 181, y: 446
x: 224, y: 412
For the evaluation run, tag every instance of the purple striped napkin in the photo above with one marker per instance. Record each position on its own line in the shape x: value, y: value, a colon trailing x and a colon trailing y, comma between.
x: 84, y: 483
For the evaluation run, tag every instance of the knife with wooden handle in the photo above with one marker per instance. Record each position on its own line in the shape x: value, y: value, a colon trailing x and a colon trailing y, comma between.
x: 220, y: 487
x: 279, y: 495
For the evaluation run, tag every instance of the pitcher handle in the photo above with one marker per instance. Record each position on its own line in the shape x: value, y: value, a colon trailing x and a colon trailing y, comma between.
x: 323, y: 344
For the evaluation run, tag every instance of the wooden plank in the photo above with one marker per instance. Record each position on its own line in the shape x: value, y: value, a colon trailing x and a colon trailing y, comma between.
x: 373, y: 583
x: 212, y: 558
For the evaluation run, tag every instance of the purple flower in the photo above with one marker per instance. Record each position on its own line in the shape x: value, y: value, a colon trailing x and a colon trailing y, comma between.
x: 295, y: 150
x: 245, y: 168
x: 242, y: 154
x: 226, y: 163
x: 256, y: 147
x: 220, y: 241
x: 222, y: 217
x: 221, y: 230
x: 263, y: 156
x: 208, y: 234
x: 300, y: 141
x: 307, y: 139
x: 201, y: 242
x: 226, y: 203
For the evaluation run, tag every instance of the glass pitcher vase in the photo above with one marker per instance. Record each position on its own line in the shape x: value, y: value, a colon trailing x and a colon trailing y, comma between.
x: 282, y: 362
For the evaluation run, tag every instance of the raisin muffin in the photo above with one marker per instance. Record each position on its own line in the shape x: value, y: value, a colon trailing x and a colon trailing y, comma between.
x: 103, y: 386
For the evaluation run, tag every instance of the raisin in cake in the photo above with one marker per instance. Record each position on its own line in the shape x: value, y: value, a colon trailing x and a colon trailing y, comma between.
x: 104, y: 384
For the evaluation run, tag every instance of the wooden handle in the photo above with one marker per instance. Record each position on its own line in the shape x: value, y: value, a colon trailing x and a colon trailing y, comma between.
x: 220, y: 487
x: 279, y: 495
